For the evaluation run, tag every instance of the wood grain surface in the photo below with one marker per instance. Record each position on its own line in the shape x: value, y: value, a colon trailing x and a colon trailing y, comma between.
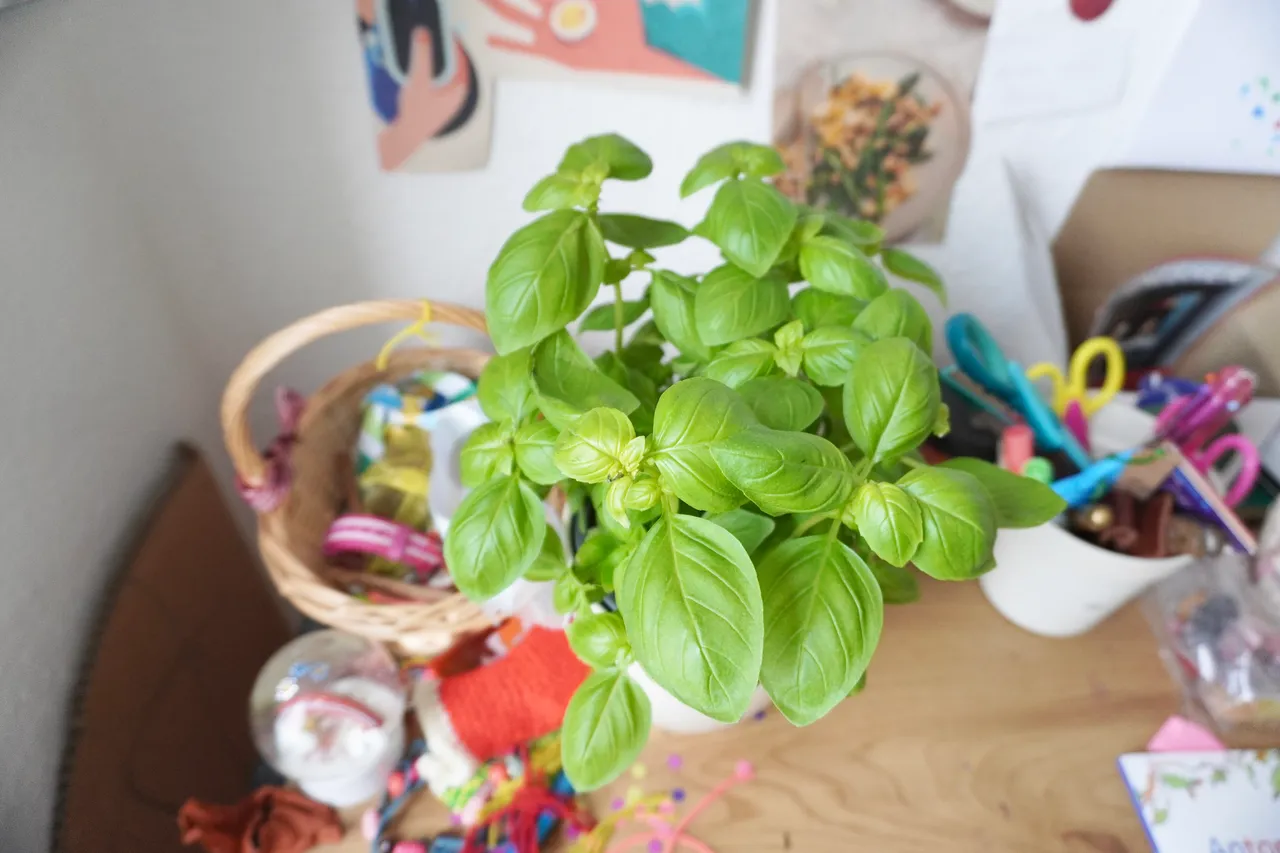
x: 972, y: 735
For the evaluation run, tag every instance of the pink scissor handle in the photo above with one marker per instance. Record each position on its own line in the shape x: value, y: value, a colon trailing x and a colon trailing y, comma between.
x: 1250, y: 464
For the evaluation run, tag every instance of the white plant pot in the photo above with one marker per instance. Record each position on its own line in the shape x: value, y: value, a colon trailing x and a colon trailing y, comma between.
x: 1049, y: 581
x: 672, y: 715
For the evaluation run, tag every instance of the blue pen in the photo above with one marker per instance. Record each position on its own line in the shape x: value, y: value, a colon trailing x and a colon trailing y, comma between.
x: 1079, y: 489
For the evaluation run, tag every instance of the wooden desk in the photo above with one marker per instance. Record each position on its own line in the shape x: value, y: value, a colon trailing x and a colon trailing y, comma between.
x: 972, y: 735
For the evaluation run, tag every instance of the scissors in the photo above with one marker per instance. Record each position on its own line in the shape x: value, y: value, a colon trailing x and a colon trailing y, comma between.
x: 1191, y: 421
x: 1074, y: 387
x: 981, y: 359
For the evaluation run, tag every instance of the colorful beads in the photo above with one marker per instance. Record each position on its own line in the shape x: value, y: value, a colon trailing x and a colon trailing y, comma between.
x: 409, y: 847
x: 369, y: 824
x: 395, y: 784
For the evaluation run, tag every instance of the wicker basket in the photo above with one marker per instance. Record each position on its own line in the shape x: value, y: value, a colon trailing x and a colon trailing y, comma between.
x: 291, y: 535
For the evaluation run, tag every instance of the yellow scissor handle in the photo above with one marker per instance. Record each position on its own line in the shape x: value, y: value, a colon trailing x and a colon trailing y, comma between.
x: 1074, y: 386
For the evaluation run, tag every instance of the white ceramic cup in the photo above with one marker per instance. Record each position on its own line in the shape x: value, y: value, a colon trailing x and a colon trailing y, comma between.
x: 1050, y: 582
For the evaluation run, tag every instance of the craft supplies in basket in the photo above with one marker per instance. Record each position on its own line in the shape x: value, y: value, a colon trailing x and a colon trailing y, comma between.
x: 297, y: 490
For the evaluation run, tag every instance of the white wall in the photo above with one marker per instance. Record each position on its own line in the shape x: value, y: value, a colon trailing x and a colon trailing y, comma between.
x: 96, y: 387
x: 257, y: 175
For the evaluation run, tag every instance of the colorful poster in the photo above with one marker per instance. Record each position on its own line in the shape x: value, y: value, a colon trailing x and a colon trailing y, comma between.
x: 688, y: 41
x: 432, y: 106
x: 431, y: 64
x: 872, y: 108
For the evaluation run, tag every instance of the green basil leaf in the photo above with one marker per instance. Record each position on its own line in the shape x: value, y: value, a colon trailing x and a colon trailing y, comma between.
x: 786, y: 472
x: 891, y: 398
x: 750, y: 221
x: 757, y: 161
x: 959, y: 523
x: 817, y: 308
x: 568, y: 594
x: 568, y: 383
x: 639, y: 383
x: 639, y: 258
x: 749, y: 528
x: 616, y: 270
x: 648, y: 334
x: 494, y: 536
x: 908, y: 266
x: 832, y: 425
x: 672, y: 297
x: 600, y: 556
x: 823, y: 614
x: 829, y: 353
x: 535, y: 445
x: 740, y: 361
x: 550, y: 563
x: 1018, y: 501
x: 731, y: 304
x: 896, y: 314
x: 561, y: 192
x: 505, y: 390
x: 789, y: 336
x: 596, y: 639
x: 486, y: 454
x: 619, y: 157
x: 606, y: 725
x: 716, y: 165
x: 782, y: 403
x: 601, y: 318
x: 641, y: 232
x: 867, y: 236
x: 692, y: 416
x: 898, y: 585
x: 694, y: 615
x: 889, y: 520
x: 592, y: 450
x: 837, y: 267
x: 545, y: 275
x: 729, y: 161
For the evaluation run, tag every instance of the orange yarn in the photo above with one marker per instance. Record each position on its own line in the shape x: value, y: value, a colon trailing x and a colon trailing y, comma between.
x: 516, y: 699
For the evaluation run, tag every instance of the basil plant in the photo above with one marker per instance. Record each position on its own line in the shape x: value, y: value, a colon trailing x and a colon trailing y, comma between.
x: 748, y: 454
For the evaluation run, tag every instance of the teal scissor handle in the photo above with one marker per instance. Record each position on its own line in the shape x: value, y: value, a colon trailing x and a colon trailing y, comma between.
x: 1049, y: 431
x: 979, y: 356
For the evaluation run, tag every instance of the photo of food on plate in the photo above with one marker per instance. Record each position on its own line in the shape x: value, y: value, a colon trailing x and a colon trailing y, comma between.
x: 871, y: 110
x: 860, y: 146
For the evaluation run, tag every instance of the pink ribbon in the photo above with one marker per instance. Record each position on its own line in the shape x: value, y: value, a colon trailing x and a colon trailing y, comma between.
x: 277, y: 470
x: 369, y: 534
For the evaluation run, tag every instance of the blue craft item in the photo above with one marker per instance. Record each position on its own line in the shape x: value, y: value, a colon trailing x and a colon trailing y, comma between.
x: 980, y: 357
x: 1156, y: 390
x: 710, y: 34
x: 1079, y: 489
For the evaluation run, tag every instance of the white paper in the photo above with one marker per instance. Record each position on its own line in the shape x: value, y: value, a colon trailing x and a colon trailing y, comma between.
x: 1207, y: 802
x: 1052, y: 72
x: 1218, y: 107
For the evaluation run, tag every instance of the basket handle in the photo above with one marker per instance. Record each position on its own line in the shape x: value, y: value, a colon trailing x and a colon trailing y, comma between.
x: 263, y: 358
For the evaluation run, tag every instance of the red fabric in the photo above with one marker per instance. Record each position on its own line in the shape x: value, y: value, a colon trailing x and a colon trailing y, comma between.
x: 516, y: 699
x: 270, y: 820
